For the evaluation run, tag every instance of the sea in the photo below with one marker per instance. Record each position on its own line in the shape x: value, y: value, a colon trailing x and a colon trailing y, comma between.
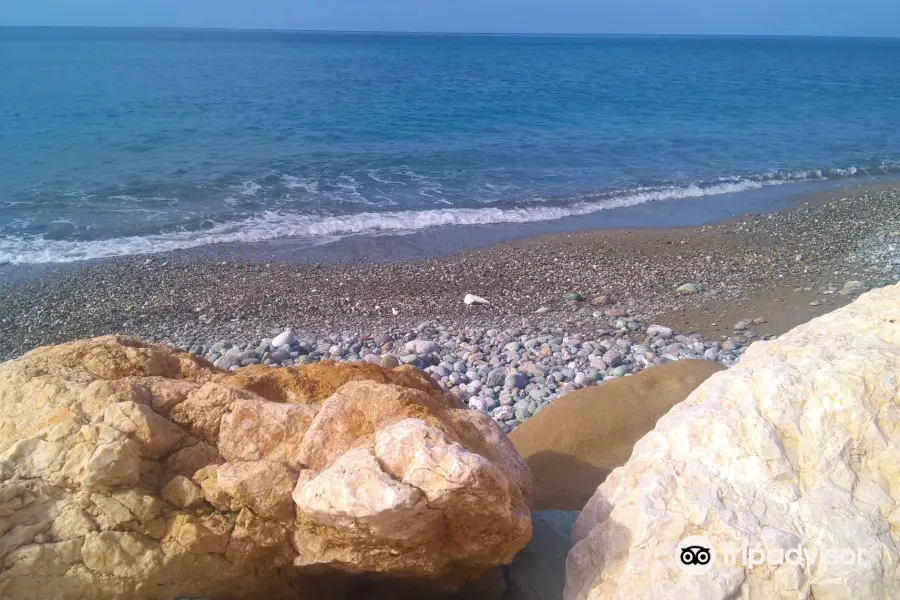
x: 133, y: 141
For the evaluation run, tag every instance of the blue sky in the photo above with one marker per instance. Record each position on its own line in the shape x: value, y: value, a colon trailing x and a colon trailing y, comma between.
x: 794, y: 17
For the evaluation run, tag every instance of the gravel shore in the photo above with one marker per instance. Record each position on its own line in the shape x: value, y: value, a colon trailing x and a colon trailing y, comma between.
x: 570, y: 299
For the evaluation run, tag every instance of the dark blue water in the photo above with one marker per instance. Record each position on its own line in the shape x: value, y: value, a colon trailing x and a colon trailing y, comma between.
x: 122, y: 141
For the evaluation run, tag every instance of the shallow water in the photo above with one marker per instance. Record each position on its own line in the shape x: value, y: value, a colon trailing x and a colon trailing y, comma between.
x: 132, y: 141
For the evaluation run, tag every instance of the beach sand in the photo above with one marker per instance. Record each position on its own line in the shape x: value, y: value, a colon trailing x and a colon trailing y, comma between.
x: 749, y: 268
x: 574, y: 443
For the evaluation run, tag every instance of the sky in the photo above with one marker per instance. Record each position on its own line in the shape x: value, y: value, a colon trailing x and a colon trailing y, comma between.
x: 737, y: 17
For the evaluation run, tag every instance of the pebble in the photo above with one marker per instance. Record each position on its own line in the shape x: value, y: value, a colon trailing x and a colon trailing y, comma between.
x: 495, y: 378
x: 515, y: 381
x: 389, y: 361
x: 660, y: 331
x: 852, y: 287
x: 689, y: 288
x: 281, y: 354
x: 504, y: 413
x: 612, y: 358
x: 574, y: 297
x: 509, y: 374
x: 227, y: 362
x: 422, y: 347
x: 284, y: 338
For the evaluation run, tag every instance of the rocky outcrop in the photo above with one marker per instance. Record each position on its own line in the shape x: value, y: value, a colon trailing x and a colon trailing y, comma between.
x: 796, y: 447
x: 134, y: 470
x: 576, y: 441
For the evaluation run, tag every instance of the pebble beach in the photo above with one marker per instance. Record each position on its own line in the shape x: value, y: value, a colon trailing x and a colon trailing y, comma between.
x: 562, y: 312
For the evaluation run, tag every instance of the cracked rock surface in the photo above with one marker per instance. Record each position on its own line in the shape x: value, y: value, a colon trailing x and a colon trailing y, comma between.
x: 797, y: 446
x: 135, y: 470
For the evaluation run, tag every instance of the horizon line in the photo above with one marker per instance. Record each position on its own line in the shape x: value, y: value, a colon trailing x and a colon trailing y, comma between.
x: 453, y: 33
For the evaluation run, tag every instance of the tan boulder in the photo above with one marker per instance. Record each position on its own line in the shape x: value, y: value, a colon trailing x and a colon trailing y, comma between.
x: 315, y: 382
x: 135, y: 470
x: 183, y: 493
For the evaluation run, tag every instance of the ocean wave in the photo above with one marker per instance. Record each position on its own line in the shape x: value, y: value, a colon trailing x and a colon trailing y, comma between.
x: 277, y: 224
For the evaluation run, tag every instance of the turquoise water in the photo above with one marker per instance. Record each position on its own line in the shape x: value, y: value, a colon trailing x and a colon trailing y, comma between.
x: 125, y: 141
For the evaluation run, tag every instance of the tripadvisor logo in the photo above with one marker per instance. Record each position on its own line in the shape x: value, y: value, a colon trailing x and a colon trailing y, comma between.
x: 695, y: 555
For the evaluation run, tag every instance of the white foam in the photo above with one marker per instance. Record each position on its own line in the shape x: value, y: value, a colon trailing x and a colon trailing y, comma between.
x: 318, y: 229
x: 250, y: 188
x: 273, y: 225
x: 292, y: 182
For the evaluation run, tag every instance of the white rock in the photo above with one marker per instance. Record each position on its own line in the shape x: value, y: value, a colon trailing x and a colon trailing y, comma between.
x: 471, y: 299
x: 660, y: 331
x: 285, y: 337
x: 797, y: 444
x: 422, y: 347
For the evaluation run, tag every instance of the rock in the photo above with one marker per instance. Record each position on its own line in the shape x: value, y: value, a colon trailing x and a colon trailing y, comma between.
x: 409, y: 359
x: 228, y: 361
x: 383, y: 339
x: 615, y: 313
x: 504, y: 413
x: 130, y: 470
x: 286, y: 337
x: 478, y: 404
x: 574, y: 297
x: 495, y: 377
x: 578, y: 439
x: 598, y: 363
x: 672, y: 348
x: 600, y: 300
x: 389, y: 361
x: 183, y: 493
x: 471, y: 299
x: 612, y: 358
x: 281, y: 354
x: 422, y: 347
x: 689, y: 288
x: 515, y: 381
x: 852, y: 287
x: 539, y: 570
x: 620, y: 371
x: 660, y: 331
x: 543, y: 310
x: 789, y: 448
x: 742, y: 325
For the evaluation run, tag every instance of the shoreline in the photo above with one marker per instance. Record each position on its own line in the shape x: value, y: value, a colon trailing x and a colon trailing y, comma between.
x: 179, y: 296
x: 566, y: 311
x: 445, y: 241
